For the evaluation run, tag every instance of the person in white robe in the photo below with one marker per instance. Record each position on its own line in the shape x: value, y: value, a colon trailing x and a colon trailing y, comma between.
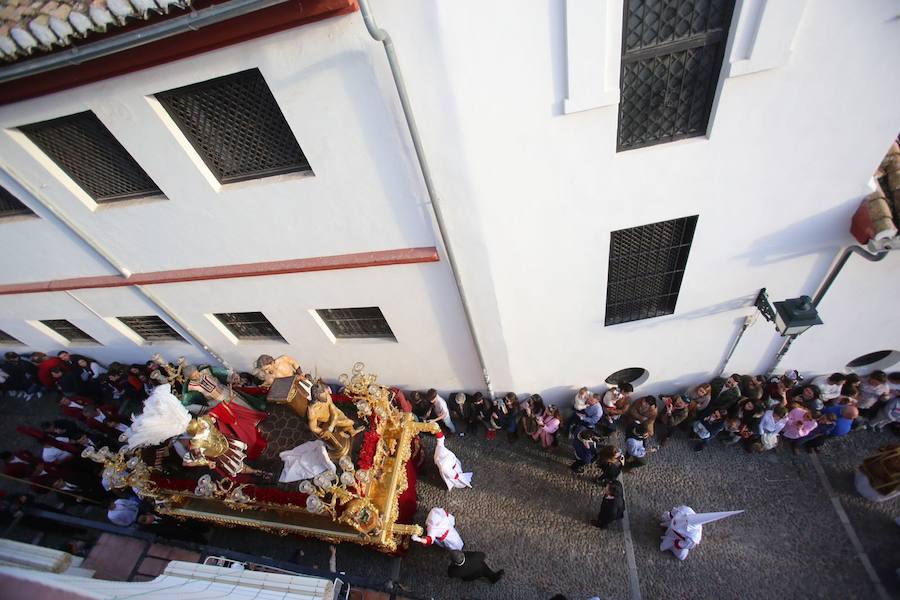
x: 684, y: 528
x: 123, y: 512
x: 449, y: 466
x: 440, y: 529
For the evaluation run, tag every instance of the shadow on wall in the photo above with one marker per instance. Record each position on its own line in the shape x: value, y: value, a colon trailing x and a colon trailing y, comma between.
x: 557, y: 22
x: 744, y: 301
x: 815, y: 235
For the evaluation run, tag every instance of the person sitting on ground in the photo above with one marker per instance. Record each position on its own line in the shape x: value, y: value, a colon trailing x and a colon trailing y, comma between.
x: 635, y: 446
x: 585, y: 448
x: 547, y: 427
x: 529, y: 415
x: 700, y: 397
x: 644, y: 411
x: 611, y: 462
x: 890, y: 410
x: 578, y: 406
x: 616, y: 401
x: 593, y: 412
x: 708, y: 428
x: 469, y: 566
x: 675, y: 412
x: 872, y: 393
x: 612, y: 506
x: 506, y: 416
x: 461, y: 410
x: 481, y: 413
x: 439, y: 411
x: 773, y: 421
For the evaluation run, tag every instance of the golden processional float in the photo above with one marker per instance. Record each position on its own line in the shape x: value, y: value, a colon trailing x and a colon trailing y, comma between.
x: 368, y: 499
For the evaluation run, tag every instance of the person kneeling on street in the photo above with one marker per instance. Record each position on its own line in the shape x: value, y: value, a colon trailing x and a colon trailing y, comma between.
x: 612, y: 507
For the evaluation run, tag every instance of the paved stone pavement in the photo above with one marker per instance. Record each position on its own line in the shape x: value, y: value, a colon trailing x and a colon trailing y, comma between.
x: 530, y: 514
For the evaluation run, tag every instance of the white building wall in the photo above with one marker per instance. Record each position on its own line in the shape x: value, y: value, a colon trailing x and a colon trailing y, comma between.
x: 531, y: 195
x: 788, y: 155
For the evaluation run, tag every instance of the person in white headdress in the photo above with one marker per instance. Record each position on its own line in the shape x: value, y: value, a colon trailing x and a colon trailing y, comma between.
x: 684, y: 528
x: 440, y: 529
x: 449, y: 466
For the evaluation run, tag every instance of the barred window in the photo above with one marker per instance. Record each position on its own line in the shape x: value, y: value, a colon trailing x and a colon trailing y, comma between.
x: 236, y: 126
x: 88, y: 153
x: 10, y: 205
x: 8, y: 340
x: 646, y: 266
x: 69, y: 331
x: 356, y: 322
x: 671, y: 56
x: 249, y: 326
x: 151, y: 328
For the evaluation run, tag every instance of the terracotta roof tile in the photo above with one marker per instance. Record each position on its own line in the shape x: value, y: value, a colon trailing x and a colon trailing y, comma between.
x: 38, y: 25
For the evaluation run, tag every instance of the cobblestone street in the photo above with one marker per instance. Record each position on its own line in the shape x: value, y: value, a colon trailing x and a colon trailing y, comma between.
x: 530, y: 515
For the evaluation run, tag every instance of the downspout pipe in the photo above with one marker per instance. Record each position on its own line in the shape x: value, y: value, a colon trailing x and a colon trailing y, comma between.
x: 192, y: 21
x: 823, y: 289
x: 60, y: 218
x: 380, y: 35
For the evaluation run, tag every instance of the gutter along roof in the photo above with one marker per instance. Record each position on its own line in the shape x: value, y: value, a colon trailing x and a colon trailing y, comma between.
x: 29, y: 27
x: 39, y: 56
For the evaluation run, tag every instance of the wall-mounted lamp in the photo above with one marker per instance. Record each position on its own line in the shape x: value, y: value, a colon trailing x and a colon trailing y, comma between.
x: 791, y: 317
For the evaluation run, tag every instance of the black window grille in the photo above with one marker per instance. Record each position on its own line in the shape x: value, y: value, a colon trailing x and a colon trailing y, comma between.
x: 8, y: 340
x: 10, y: 205
x: 356, y: 322
x: 69, y: 331
x: 236, y: 126
x: 249, y: 326
x: 671, y: 57
x: 88, y: 153
x: 151, y: 328
x: 646, y: 266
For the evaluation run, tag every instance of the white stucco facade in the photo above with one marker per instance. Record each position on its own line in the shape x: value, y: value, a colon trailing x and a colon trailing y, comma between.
x: 523, y: 150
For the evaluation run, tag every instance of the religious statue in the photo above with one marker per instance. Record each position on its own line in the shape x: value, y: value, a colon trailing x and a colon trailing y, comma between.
x: 212, y: 448
x: 269, y: 369
x: 329, y: 423
x: 212, y: 385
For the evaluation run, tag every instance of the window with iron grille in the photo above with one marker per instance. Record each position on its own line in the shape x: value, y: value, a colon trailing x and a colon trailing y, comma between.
x: 671, y: 56
x: 646, y: 266
x: 151, y: 328
x: 88, y: 153
x: 69, y: 331
x: 10, y: 205
x: 356, y: 322
x: 8, y: 340
x: 236, y: 126
x: 249, y: 326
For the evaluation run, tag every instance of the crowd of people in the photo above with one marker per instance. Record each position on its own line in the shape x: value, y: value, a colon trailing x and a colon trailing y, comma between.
x: 756, y: 413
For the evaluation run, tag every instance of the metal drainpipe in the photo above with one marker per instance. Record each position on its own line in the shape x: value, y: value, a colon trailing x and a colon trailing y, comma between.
x: 823, y: 289
x: 380, y: 35
x: 748, y: 321
x: 20, y: 190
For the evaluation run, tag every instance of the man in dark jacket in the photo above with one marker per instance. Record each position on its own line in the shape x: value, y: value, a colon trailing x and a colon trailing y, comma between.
x: 470, y: 566
x: 612, y: 508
